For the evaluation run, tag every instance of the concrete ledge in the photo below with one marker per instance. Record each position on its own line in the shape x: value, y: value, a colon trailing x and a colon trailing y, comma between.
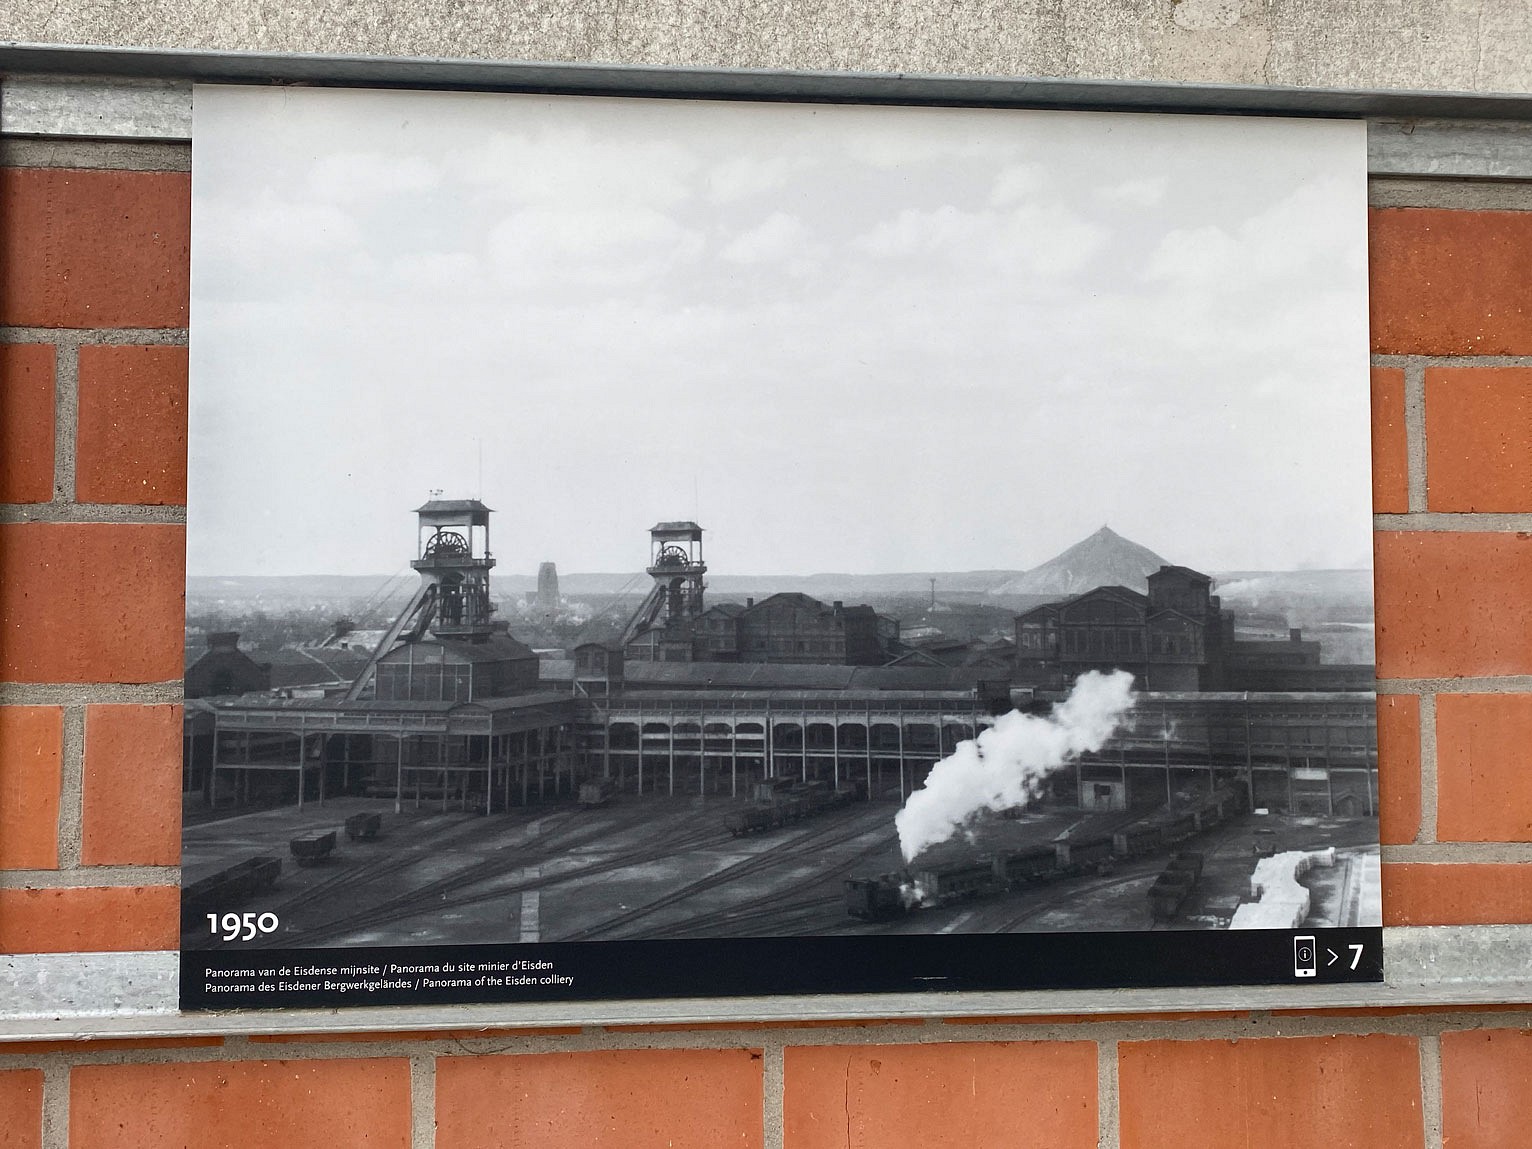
x: 155, y: 103
x: 52, y: 996
x: 96, y: 108
x: 23, y: 61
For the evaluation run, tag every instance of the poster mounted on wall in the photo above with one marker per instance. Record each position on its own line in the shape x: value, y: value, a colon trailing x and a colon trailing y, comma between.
x: 643, y: 548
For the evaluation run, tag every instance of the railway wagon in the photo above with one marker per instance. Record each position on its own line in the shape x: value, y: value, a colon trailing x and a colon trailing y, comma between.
x: 1077, y: 855
x: 873, y: 899
x: 1150, y: 833
x: 1173, y: 825
x: 596, y: 792
x: 953, y: 883
x: 1037, y: 864
x: 1174, y: 885
x: 789, y: 804
x: 771, y: 789
x: 1154, y: 835
x: 311, y: 849
x: 1223, y: 804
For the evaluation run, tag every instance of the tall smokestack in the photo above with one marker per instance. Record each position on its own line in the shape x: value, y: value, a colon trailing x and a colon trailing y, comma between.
x: 547, y: 588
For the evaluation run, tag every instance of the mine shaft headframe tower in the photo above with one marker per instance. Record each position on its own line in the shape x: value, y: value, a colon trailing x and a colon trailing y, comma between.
x: 452, y: 600
x: 676, y: 566
x: 454, y: 564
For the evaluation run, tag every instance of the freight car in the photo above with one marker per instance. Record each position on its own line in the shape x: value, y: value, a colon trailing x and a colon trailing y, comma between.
x: 312, y: 849
x: 596, y: 792
x: 776, y: 805
x: 1094, y: 851
x: 1173, y: 885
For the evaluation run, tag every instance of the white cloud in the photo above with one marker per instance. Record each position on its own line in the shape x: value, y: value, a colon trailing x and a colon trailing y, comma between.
x: 254, y: 248
x: 779, y: 239
x: 1014, y: 183
x: 1142, y: 192
x: 741, y: 177
x: 434, y: 271
x: 1032, y: 239
x: 1305, y: 232
x: 574, y: 167
x: 348, y: 177
x: 596, y: 246
x: 1198, y: 255
x: 884, y: 141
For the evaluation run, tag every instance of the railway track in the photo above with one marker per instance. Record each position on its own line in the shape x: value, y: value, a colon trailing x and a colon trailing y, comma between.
x: 373, y: 862
x: 783, y: 912
x: 447, y: 894
x: 564, y: 835
x: 825, y: 834
x: 1213, y: 842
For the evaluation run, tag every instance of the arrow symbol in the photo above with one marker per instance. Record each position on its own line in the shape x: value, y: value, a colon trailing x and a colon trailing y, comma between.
x: 1334, y: 957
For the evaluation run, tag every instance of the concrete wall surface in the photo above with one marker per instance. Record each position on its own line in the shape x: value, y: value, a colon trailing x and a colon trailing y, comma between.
x: 1425, y: 45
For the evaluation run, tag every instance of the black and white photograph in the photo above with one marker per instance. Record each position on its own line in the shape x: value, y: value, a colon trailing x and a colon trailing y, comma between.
x: 653, y: 545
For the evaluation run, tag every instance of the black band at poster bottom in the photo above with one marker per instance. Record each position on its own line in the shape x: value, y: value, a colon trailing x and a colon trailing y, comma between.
x: 606, y: 971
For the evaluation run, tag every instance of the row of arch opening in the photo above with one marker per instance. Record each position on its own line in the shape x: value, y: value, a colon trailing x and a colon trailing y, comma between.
x: 848, y: 736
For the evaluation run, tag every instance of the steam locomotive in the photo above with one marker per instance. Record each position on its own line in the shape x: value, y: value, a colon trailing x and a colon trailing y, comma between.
x: 917, y: 887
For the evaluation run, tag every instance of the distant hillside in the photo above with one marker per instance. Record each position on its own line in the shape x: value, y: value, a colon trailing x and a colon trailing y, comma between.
x: 1103, y: 559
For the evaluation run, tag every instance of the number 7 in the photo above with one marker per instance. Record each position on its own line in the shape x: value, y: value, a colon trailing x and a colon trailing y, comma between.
x: 1356, y: 954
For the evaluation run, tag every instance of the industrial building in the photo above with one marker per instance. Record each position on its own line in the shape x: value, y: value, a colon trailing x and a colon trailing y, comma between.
x: 1177, y: 637
x: 673, y: 624
x: 452, y: 709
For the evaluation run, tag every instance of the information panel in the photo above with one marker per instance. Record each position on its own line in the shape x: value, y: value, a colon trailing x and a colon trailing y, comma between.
x: 660, y: 548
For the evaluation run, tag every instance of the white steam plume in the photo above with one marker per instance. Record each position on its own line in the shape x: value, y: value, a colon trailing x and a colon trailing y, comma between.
x: 1006, y: 764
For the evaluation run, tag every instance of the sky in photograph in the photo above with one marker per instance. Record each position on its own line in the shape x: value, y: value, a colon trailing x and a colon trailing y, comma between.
x: 843, y: 339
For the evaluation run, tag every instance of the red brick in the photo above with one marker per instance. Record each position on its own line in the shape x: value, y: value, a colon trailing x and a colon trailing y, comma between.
x: 1012, y: 1094
x: 250, y: 1104
x: 1359, y: 1092
x: 1460, y: 894
x: 1398, y: 767
x: 132, y: 786
x: 21, y: 1109
x: 131, y: 443
x: 1450, y: 282
x: 1484, y: 790
x: 94, y: 248
x: 1478, y: 450
x: 91, y: 602
x: 638, y: 1099
x: 1390, y: 448
x: 1453, y: 604
x: 26, y: 422
x: 85, y: 919
x: 1486, y: 1102
x: 31, y: 753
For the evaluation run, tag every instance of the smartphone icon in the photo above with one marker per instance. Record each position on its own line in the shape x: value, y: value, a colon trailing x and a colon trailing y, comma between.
x: 1305, y: 959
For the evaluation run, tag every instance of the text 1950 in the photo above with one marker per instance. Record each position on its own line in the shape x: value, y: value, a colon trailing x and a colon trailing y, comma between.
x: 242, y: 927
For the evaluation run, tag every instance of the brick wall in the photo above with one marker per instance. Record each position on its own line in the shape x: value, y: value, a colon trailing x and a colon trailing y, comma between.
x: 93, y: 306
